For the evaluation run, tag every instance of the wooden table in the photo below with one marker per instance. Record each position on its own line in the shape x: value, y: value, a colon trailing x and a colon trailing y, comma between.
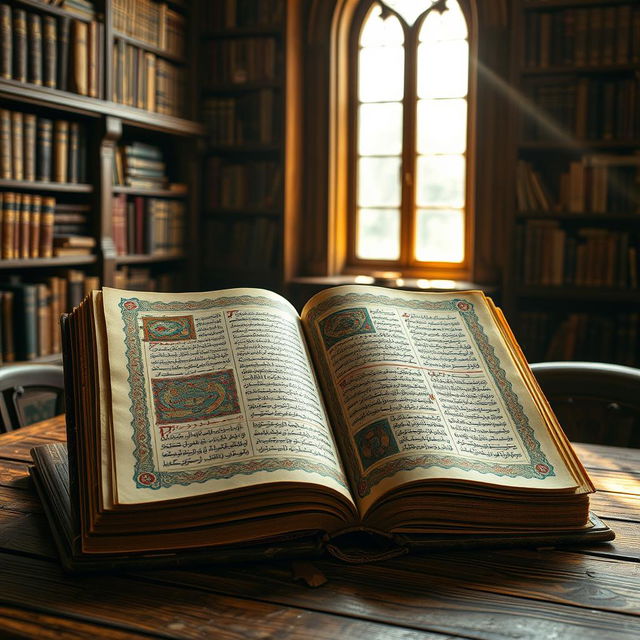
x: 590, y: 592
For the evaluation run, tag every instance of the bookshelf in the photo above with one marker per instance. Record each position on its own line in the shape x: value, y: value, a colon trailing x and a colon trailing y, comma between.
x: 572, y: 289
x: 64, y: 75
x: 242, y: 97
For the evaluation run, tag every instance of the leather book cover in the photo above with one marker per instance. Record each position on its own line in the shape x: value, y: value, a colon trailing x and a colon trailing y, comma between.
x: 49, y: 51
x: 34, y: 48
x: 19, y: 45
x: 6, y: 42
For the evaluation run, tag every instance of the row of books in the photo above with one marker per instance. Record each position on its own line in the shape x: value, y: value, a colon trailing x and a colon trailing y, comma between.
x: 240, y: 60
x: 597, y: 183
x: 151, y: 226
x: 154, y: 23
x: 587, y: 256
x: 235, y: 185
x: 144, y: 279
x: 583, y: 36
x: 240, y: 244
x: 58, y: 52
x: 232, y: 14
x: 587, y: 108
x: 33, y: 226
x: 140, y: 165
x: 30, y: 313
x: 546, y: 336
x: 34, y: 148
x: 146, y: 81
x: 244, y: 119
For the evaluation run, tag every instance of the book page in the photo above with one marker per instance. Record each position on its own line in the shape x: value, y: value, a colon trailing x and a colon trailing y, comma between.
x: 423, y: 386
x: 213, y: 392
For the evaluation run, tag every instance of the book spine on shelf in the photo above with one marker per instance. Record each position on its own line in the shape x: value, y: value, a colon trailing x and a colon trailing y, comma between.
x: 34, y: 39
x: 29, y: 147
x: 62, y: 68
x: 6, y: 153
x: 6, y: 42
x: 60, y: 150
x: 8, y: 341
x: 19, y: 45
x: 79, y: 63
x: 93, y: 59
x: 43, y: 294
x: 17, y: 145
x: 9, y: 217
x: 34, y: 232
x: 44, y: 136
x: 49, y: 51
x: 47, y: 218
x: 24, y: 227
x: 74, y: 152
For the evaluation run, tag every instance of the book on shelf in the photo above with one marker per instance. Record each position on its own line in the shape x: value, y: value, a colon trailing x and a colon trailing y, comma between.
x: 27, y: 225
x: 236, y: 425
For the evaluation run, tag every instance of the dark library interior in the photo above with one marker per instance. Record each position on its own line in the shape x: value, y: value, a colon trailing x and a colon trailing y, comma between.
x: 294, y: 145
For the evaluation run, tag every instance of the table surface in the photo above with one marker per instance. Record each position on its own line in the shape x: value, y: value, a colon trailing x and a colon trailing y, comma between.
x: 585, y: 592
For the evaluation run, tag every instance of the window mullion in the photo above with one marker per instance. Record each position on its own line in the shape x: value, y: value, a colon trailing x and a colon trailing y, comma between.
x: 409, y: 147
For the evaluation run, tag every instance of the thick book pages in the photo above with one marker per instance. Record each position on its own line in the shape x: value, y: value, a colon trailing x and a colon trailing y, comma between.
x: 206, y: 421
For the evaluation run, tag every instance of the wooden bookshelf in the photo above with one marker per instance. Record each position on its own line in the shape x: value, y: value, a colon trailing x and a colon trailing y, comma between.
x: 242, y: 106
x: 572, y: 288
x: 82, y: 95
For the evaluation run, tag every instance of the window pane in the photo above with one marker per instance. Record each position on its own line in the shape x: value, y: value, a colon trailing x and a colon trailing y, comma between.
x: 379, y: 182
x: 380, y: 129
x: 381, y: 74
x: 440, y: 235
x: 443, y: 69
x: 451, y: 25
x: 377, y: 32
x: 440, y: 181
x: 378, y: 234
x: 442, y: 126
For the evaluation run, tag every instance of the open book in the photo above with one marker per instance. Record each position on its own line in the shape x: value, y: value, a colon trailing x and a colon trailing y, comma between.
x: 224, y: 420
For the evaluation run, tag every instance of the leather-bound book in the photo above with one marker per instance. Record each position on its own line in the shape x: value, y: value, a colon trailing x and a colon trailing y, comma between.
x: 17, y: 145
x: 44, y: 134
x: 46, y: 227
x: 49, y: 51
x: 34, y: 48
x: 60, y: 150
x: 62, y: 60
x: 19, y: 45
x: 29, y: 146
x: 6, y: 42
x: 6, y: 154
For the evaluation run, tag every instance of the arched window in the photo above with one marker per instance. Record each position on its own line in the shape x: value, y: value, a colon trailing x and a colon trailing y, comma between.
x: 409, y: 184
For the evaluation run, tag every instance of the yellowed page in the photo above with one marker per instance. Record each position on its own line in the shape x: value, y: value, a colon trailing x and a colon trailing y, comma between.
x: 421, y: 386
x: 211, y: 392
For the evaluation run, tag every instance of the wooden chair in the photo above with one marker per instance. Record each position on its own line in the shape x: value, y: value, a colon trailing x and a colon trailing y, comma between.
x: 29, y: 393
x: 594, y: 402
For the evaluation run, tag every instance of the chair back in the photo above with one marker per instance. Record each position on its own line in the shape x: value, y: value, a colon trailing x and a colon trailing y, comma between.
x: 29, y: 393
x: 595, y: 402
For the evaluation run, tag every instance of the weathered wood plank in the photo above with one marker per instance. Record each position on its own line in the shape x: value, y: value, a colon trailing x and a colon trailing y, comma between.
x: 625, y: 546
x: 410, y: 594
x: 598, y: 456
x: 16, y: 623
x: 616, y: 505
x: 14, y: 474
x: 173, y: 611
x: 616, y: 481
x: 26, y: 533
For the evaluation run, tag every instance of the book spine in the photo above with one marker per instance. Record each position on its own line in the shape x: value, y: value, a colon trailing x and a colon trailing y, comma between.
x: 6, y: 42
x: 74, y: 152
x: 43, y: 294
x: 17, y: 145
x: 35, y: 48
x: 34, y: 231
x: 19, y: 45
x: 8, y: 225
x: 93, y: 61
x: 56, y: 311
x: 8, y: 340
x: 29, y: 147
x: 62, y: 70
x: 24, y: 226
x: 6, y: 153
x: 79, y: 65
x: 47, y: 218
x: 43, y: 152
x: 27, y: 322
x: 49, y: 51
x: 60, y: 150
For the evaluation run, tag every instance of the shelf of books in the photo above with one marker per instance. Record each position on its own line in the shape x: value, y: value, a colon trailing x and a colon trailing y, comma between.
x: 242, y: 86
x: 92, y: 98
x: 576, y: 238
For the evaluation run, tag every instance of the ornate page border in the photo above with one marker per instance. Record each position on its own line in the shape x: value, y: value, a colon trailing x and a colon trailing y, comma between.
x: 145, y: 474
x: 538, y: 465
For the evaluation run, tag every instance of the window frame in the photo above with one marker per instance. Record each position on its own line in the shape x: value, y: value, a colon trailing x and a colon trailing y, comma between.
x: 407, y: 265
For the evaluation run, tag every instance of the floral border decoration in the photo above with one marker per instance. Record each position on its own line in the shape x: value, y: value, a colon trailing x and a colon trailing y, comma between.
x: 145, y: 474
x: 538, y: 465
